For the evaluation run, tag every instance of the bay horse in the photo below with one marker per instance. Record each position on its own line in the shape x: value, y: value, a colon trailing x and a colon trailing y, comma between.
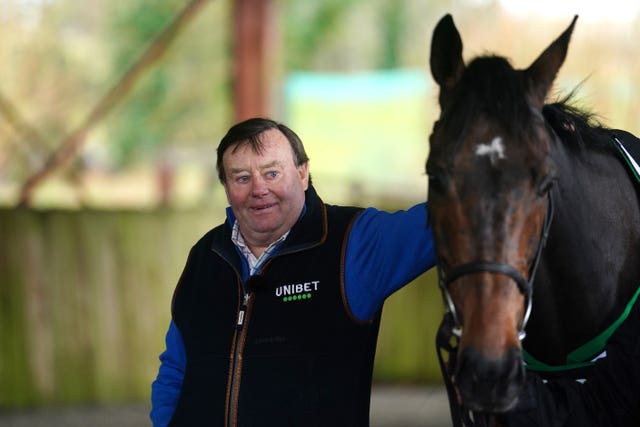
x: 535, y: 218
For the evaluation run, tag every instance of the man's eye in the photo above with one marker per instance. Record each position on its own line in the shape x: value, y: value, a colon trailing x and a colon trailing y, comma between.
x: 272, y: 174
x: 242, y: 179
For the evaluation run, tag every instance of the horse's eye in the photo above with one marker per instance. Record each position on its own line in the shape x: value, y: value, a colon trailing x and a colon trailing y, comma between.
x: 437, y: 183
x: 545, y: 184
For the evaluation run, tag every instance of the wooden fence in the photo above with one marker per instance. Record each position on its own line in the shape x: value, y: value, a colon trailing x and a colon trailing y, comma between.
x: 85, y: 298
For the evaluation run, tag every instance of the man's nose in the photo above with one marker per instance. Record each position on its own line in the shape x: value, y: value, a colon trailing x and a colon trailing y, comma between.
x: 259, y: 187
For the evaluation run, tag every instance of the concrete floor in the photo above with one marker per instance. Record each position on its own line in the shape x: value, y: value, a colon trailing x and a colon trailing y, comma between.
x: 391, y: 406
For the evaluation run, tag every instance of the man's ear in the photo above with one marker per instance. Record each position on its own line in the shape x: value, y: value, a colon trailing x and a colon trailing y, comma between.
x: 303, y: 172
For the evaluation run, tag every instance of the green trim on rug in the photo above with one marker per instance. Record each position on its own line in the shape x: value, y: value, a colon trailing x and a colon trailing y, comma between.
x: 581, y: 356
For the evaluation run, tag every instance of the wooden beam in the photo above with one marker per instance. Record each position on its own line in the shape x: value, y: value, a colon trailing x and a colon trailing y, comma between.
x: 251, y: 36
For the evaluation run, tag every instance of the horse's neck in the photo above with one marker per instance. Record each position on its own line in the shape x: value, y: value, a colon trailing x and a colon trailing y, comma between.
x: 589, y: 267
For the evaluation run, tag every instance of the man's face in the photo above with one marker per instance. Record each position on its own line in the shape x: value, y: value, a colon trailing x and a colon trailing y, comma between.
x: 265, y: 191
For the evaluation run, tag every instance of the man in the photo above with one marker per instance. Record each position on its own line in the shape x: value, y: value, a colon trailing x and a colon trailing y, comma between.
x: 275, y: 317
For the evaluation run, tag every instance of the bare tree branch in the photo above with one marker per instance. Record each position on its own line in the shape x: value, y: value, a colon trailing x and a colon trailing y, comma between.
x: 70, y: 144
x: 21, y: 126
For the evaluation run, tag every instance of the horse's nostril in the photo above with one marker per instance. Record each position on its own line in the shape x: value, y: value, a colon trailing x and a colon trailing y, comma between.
x: 489, y: 384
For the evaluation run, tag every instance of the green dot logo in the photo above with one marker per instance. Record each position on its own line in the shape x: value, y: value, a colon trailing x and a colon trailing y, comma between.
x: 298, y: 297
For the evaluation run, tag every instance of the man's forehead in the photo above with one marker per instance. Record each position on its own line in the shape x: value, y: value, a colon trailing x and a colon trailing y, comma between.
x: 272, y: 143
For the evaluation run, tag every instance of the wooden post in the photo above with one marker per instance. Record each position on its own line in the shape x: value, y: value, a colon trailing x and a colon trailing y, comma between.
x: 252, y: 32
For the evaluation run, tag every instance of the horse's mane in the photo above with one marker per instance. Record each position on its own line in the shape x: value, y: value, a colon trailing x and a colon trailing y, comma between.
x: 490, y: 86
x: 576, y: 127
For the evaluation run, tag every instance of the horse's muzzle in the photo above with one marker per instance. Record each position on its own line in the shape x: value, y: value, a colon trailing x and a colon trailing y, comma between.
x: 489, y: 384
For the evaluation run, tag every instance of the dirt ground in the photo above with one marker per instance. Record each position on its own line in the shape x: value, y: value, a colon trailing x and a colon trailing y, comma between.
x: 391, y: 406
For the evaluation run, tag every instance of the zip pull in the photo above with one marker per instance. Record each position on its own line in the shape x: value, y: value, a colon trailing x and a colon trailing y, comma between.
x: 243, y: 310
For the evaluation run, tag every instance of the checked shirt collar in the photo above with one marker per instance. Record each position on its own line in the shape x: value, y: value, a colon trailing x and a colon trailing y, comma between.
x: 254, y: 263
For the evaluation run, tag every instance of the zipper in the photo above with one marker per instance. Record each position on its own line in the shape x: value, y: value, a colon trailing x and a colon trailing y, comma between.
x: 242, y: 311
x: 236, y: 363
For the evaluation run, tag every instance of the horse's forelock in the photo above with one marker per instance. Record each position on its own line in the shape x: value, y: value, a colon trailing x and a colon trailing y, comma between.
x: 492, y: 88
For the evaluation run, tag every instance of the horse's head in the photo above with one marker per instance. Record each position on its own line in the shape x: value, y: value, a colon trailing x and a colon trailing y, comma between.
x: 490, y: 172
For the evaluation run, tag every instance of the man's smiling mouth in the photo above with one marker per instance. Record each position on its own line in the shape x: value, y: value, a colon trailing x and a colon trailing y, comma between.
x: 262, y: 207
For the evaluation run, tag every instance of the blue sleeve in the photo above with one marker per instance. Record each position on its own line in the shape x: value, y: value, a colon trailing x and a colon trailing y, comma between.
x: 385, y: 251
x: 165, y: 390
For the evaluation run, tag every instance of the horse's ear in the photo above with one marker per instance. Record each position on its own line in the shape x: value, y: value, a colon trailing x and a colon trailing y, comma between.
x: 446, y: 61
x: 543, y: 71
